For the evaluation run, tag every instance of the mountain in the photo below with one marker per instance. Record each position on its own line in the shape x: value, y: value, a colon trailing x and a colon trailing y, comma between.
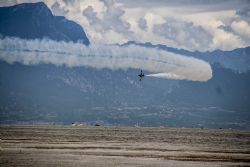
x: 48, y: 93
x: 35, y: 20
x: 59, y: 94
x: 237, y: 59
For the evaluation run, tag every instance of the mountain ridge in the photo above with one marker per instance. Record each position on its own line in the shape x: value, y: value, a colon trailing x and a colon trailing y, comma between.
x: 35, y: 20
x: 237, y: 59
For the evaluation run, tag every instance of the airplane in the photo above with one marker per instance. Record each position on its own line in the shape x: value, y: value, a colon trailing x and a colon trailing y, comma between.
x: 141, y: 75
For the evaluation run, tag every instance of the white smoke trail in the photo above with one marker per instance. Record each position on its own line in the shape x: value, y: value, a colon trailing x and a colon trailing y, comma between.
x: 166, y: 75
x: 166, y: 64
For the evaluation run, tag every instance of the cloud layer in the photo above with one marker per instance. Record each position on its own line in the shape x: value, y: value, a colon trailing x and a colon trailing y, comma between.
x: 165, y: 64
x: 187, y: 24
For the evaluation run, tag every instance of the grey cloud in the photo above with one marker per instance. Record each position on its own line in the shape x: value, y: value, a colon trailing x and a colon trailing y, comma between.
x: 8, y: 2
x: 205, y: 5
x: 14, y: 2
x: 70, y: 2
x: 184, y: 33
x: 142, y: 23
x: 111, y: 20
x: 225, y: 28
x: 241, y: 14
x: 91, y: 15
x: 58, y: 10
x: 244, y: 12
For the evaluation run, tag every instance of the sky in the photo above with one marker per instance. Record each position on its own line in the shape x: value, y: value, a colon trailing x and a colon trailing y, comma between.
x: 203, y: 25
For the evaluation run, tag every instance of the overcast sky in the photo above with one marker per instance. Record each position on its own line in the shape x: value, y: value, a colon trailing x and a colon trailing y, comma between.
x: 189, y: 24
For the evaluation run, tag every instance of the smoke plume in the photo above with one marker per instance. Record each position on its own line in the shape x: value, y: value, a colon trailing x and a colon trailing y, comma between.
x: 164, y: 64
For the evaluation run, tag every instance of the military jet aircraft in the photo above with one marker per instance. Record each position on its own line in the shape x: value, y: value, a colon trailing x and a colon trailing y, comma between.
x: 141, y: 75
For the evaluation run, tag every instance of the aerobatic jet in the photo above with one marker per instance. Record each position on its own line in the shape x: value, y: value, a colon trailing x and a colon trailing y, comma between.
x: 141, y: 75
